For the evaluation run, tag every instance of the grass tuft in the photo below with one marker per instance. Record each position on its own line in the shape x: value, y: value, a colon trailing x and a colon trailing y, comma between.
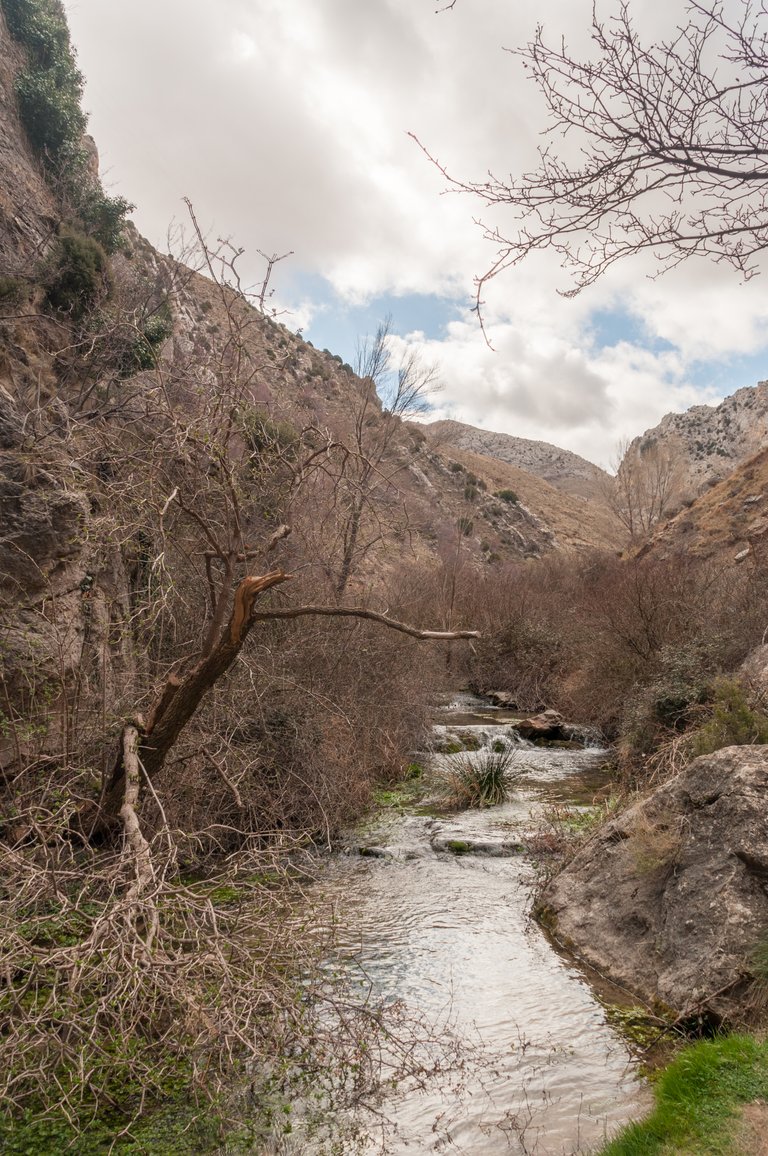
x: 480, y: 780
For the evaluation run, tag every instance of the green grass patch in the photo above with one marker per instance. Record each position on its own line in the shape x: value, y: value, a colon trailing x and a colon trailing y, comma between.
x: 697, y: 1100
x: 409, y: 791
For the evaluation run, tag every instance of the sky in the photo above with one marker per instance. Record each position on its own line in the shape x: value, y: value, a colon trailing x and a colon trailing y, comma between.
x: 287, y: 122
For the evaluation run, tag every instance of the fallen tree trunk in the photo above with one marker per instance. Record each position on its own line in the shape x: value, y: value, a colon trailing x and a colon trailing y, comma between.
x: 183, y: 692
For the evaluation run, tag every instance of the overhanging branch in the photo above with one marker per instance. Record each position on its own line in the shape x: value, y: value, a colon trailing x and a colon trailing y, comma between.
x: 371, y: 615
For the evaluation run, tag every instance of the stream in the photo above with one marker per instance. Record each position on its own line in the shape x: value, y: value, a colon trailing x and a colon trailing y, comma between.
x: 435, y: 915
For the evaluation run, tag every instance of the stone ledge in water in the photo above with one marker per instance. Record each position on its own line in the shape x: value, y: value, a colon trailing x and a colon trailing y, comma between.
x: 670, y: 897
x: 497, y: 848
x: 374, y: 852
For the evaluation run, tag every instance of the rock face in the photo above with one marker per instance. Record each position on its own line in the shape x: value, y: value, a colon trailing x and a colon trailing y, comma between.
x: 670, y: 898
x: 710, y: 441
x: 728, y: 521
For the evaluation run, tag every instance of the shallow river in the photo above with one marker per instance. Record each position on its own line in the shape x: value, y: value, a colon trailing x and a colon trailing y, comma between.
x: 449, y: 935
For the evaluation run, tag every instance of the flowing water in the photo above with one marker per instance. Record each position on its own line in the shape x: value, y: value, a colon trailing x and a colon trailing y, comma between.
x: 435, y: 913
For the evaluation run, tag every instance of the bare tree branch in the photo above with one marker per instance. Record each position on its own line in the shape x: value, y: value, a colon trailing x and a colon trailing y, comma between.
x: 664, y: 151
x: 361, y: 612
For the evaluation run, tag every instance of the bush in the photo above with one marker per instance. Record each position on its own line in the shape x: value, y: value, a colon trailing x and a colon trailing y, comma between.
x: 49, y: 92
x: 144, y: 351
x: 41, y: 26
x: 11, y: 290
x: 733, y: 723
x: 77, y: 276
x: 49, y: 105
x: 507, y: 496
x: 102, y: 217
x: 267, y: 435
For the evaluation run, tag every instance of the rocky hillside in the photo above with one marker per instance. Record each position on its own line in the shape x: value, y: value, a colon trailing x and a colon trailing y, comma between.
x: 563, y: 491
x: 708, y: 441
x: 727, y: 522
x: 562, y: 469
x: 179, y: 317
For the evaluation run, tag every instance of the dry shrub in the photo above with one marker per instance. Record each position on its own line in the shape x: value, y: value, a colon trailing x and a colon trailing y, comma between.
x: 630, y: 646
x: 655, y: 841
x: 313, y: 718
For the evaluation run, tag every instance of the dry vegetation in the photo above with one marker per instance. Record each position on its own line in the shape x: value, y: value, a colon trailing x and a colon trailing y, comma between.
x: 172, y: 734
x: 636, y: 647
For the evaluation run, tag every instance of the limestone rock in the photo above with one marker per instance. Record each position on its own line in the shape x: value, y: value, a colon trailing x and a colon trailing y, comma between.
x: 547, y: 725
x: 671, y: 897
x: 754, y: 669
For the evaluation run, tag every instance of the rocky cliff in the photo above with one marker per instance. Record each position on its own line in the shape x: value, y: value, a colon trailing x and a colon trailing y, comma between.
x: 728, y: 522
x: 709, y: 442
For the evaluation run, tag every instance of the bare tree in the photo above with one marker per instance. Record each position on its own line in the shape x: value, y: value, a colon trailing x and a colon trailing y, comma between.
x: 191, y: 483
x: 204, y: 464
x: 392, y: 390
x: 646, y: 487
x: 664, y: 147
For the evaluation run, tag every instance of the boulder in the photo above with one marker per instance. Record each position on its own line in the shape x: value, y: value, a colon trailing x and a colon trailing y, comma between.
x: 547, y: 725
x: 502, y: 698
x: 670, y: 898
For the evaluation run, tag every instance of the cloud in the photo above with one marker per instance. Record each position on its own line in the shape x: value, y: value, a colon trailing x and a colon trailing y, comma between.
x: 286, y: 122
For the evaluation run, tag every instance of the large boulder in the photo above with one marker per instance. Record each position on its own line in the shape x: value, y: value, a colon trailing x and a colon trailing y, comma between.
x: 671, y: 898
x: 547, y: 725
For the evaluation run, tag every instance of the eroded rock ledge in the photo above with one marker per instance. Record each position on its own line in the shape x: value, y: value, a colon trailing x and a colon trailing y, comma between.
x: 671, y: 897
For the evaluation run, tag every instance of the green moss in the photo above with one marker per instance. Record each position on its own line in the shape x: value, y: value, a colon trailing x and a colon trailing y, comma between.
x: 405, y: 794
x: 458, y: 846
x: 171, y: 1127
x: 635, y: 1024
x: 697, y: 1099
x: 390, y: 797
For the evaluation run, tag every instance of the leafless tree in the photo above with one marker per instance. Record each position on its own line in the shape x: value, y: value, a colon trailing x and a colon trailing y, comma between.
x: 392, y: 390
x: 192, y: 484
x: 663, y: 148
x: 212, y: 470
x: 646, y: 487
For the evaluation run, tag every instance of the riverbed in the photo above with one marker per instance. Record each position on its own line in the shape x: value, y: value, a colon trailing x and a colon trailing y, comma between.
x: 432, y: 911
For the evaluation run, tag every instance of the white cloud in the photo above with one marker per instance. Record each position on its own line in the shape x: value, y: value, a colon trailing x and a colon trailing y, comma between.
x: 285, y: 122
